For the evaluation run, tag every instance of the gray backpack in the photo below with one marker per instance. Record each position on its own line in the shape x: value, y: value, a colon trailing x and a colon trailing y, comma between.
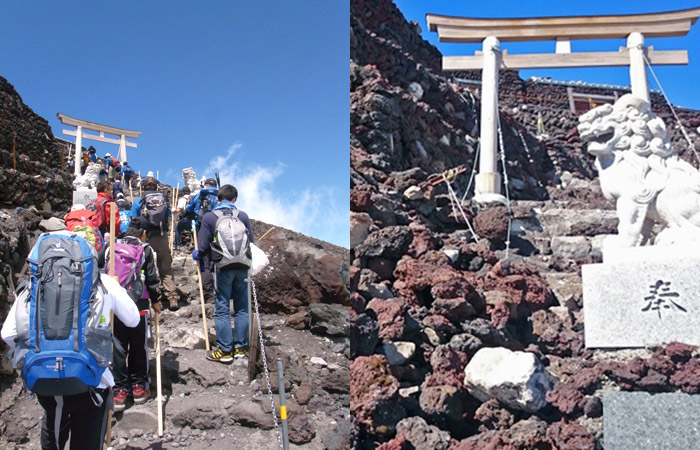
x: 230, y: 245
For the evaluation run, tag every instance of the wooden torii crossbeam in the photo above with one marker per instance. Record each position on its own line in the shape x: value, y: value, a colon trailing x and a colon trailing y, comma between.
x: 633, y: 27
x: 79, y: 134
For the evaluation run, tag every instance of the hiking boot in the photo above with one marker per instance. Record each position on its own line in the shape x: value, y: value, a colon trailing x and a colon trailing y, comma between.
x: 140, y: 394
x: 239, y: 353
x: 219, y: 356
x: 174, y: 305
x: 120, y: 400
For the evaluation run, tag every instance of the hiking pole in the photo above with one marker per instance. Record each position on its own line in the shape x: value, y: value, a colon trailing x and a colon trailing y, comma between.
x: 283, y: 405
x: 266, y: 233
x: 158, y: 385
x: 201, y: 289
x: 172, y: 220
x: 112, y: 210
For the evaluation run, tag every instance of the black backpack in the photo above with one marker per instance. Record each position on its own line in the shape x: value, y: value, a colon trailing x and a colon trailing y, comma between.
x: 155, y: 209
x: 206, y: 203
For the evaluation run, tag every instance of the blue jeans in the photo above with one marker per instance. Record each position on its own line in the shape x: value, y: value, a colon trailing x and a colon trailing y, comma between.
x: 231, y: 284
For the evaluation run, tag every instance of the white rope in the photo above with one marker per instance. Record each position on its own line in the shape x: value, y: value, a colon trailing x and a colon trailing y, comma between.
x: 454, y: 201
x: 673, y: 111
x: 505, y: 181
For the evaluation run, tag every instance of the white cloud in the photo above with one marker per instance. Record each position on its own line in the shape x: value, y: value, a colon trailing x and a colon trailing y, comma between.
x: 313, y: 211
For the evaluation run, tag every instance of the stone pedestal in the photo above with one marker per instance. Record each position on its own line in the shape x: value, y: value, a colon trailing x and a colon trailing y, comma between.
x: 84, y: 196
x: 642, y: 296
x: 643, y: 421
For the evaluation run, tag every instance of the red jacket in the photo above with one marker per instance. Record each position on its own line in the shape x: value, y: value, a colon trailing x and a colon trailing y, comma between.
x: 108, y: 204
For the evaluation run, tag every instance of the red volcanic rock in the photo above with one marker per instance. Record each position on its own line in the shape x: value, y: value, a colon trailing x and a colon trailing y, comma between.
x: 528, y: 289
x: 688, y: 377
x: 566, y: 399
x: 678, y: 351
x: 398, y: 443
x: 440, y: 323
x: 390, y: 317
x: 492, y: 223
x: 423, y: 240
x: 441, y: 402
x: 571, y: 435
x: 415, y: 278
x: 555, y: 332
x: 383, y: 267
x: 359, y: 200
x: 490, y: 440
x: 493, y: 416
x: 454, y: 309
x: 373, y: 392
x: 448, y: 367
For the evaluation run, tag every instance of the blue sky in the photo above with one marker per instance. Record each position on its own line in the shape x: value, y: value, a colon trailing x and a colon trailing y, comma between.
x: 257, y: 91
x: 679, y: 82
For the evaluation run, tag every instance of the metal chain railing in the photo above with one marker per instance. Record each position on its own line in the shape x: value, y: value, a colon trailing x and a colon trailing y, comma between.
x: 267, y: 372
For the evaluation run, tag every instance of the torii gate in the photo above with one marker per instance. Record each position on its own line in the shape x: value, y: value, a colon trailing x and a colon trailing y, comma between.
x: 102, y: 129
x: 491, y: 32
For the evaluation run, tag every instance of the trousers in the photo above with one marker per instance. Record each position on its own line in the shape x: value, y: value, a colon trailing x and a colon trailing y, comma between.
x: 75, y: 416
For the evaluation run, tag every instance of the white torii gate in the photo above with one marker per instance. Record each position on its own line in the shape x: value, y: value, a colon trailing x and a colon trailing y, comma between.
x: 491, y: 32
x: 79, y: 134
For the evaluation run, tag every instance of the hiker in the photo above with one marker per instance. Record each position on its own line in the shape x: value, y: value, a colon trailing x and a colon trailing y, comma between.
x: 117, y: 188
x: 102, y: 205
x: 80, y: 416
x: 85, y: 162
x: 124, y: 213
x: 84, y: 222
x: 203, y: 202
x: 155, y: 208
x: 92, y: 153
x: 128, y: 172
x: 185, y: 222
x: 102, y: 176
x: 225, y: 236
x: 141, y: 284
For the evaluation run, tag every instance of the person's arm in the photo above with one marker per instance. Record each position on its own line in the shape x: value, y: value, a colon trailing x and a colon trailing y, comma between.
x: 191, y: 206
x: 249, y: 228
x: 206, y: 233
x: 9, y: 328
x: 122, y: 305
x: 151, y: 273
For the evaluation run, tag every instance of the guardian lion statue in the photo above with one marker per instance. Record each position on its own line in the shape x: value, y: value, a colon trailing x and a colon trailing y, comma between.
x: 642, y: 175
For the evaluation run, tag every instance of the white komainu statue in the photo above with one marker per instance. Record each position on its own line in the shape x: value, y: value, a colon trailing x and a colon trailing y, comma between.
x: 642, y: 174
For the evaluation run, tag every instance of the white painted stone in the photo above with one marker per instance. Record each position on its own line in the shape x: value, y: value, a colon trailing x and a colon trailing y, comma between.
x: 379, y: 290
x: 432, y: 336
x: 88, y: 180
x: 413, y: 193
x: 360, y: 224
x: 409, y: 391
x: 516, y: 379
x: 416, y: 90
x: 624, y: 307
x: 399, y: 352
x: 185, y: 337
x: 451, y: 253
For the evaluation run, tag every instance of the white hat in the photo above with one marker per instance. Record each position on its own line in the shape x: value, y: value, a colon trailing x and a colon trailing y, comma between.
x: 108, y: 154
x: 150, y: 173
x: 77, y: 206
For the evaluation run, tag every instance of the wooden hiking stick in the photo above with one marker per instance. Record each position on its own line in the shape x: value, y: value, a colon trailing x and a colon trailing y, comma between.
x: 201, y: 289
x: 266, y: 233
x: 158, y: 385
x: 172, y: 221
x: 112, y: 210
x: 131, y: 193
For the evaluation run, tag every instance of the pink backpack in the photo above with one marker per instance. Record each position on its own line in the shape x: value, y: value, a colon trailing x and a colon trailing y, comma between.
x: 128, y: 261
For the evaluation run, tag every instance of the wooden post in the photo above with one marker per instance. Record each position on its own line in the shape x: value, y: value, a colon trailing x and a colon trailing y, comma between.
x: 158, y: 378
x: 201, y: 289
x: 112, y: 212
x: 131, y: 193
x: 140, y: 187
x: 266, y: 233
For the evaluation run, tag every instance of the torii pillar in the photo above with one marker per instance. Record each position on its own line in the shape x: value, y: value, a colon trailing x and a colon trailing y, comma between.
x: 488, y: 180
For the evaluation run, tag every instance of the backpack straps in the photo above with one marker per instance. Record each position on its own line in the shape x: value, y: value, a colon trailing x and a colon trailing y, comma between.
x: 76, y: 308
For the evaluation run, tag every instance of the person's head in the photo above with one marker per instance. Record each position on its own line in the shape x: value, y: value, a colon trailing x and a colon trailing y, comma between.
x: 150, y: 184
x: 125, y: 163
x: 120, y: 195
x: 137, y: 229
x: 210, y: 182
x: 108, y: 155
x: 185, y: 191
x: 92, y: 150
x: 228, y: 192
x: 103, y: 186
x: 150, y: 174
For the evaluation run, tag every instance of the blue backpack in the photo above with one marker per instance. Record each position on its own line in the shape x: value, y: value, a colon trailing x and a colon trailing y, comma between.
x: 63, y: 341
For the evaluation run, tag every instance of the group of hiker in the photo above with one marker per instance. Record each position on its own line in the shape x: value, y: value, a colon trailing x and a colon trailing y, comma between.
x: 112, y: 170
x: 59, y: 324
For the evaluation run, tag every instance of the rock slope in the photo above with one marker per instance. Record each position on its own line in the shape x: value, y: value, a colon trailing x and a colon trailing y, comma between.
x: 428, y: 298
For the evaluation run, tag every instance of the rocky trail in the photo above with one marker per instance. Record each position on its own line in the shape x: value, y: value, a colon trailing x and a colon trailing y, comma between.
x: 303, y: 299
